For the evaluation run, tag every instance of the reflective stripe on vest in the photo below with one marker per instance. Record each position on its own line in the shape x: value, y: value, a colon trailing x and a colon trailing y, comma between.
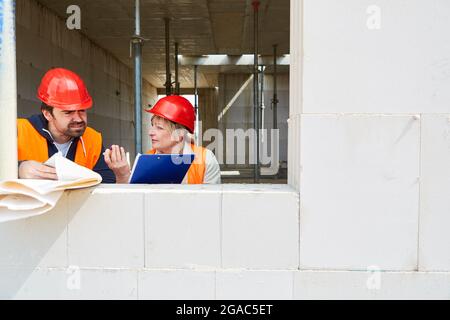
x: 196, y: 171
x: 32, y: 146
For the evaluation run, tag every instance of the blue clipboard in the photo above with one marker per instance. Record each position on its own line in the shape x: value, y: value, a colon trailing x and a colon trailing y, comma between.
x: 160, y: 168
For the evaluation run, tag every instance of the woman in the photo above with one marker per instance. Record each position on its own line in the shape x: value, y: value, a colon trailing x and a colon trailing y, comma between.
x: 173, y: 118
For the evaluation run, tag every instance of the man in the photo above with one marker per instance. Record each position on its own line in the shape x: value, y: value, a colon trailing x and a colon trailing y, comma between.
x: 61, y: 126
x: 173, y: 117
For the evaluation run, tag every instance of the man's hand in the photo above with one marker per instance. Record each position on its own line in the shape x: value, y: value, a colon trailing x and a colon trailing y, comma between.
x: 116, y: 160
x: 36, y: 170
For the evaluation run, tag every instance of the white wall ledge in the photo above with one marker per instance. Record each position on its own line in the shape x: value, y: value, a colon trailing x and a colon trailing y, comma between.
x: 149, y: 188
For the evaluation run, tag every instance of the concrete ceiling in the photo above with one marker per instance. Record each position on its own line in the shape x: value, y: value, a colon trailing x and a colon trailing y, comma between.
x: 199, y: 26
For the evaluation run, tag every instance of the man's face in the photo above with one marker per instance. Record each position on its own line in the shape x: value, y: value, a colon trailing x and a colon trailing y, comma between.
x: 68, y: 123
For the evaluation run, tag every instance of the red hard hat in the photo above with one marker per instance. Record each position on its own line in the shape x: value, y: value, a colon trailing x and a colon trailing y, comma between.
x: 64, y: 89
x: 176, y: 109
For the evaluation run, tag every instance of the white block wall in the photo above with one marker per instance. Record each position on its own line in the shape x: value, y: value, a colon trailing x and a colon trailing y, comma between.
x: 365, y: 215
x: 153, y: 242
x: 434, y: 241
x: 402, y: 67
x: 190, y: 242
x: 44, y: 42
x: 359, y: 192
x: 369, y: 145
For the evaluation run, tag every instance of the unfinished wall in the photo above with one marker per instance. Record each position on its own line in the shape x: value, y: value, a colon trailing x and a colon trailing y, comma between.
x: 229, y: 242
x: 366, y: 216
x: 208, y: 102
x: 370, y: 118
x: 44, y: 42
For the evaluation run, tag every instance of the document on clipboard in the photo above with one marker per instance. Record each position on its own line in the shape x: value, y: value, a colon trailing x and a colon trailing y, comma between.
x: 160, y: 168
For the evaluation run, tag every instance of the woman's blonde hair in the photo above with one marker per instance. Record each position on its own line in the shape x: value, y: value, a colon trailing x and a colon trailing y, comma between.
x: 172, y: 126
x: 175, y: 128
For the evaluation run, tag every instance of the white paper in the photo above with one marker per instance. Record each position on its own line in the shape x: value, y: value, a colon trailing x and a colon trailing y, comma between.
x: 23, y: 198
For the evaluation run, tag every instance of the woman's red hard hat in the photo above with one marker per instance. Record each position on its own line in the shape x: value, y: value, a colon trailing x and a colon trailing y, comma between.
x: 176, y: 109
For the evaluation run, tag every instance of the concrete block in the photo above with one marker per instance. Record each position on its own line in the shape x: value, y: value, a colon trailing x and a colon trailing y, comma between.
x: 125, y: 74
x: 30, y: 283
x: 126, y: 92
x: 127, y: 131
x: 42, y: 54
x: 113, y: 78
x: 40, y: 241
x: 100, y: 78
x: 107, y: 143
x: 176, y: 285
x: 254, y: 285
x: 260, y: 227
x: 23, y: 81
x: 70, y: 283
x: 129, y: 146
x: 100, y: 101
x: 75, y: 43
x: 57, y: 58
x: 26, y: 108
x: 126, y: 110
x: 95, y: 284
x: 72, y: 62
x: 359, y: 192
x: 23, y: 13
x: 354, y: 61
x: 108, y: 126
x: 434, y: 238
x: 24, y: 46
x: 36, y: 18
x: 182, y: 228
x: 371, y: 285
x: 57, y: 32
x: 36, y: 75
x: 115, y: 129
x: 113, y: 103
x: 293, y: 154
x: 106, y: 228
x: 99, y: 60
x: 86, y: 52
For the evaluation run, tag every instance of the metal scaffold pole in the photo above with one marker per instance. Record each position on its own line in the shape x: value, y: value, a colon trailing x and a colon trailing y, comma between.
x: 255, y: 90
x: 168, y: 83
x: 177, y: 83
x: 137, y: 51
x: 8, y: 91
x: 275, y: 93
x: 197, y: 118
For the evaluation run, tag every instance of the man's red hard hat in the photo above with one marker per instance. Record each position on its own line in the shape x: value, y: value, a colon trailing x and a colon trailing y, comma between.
x: 64, y: 89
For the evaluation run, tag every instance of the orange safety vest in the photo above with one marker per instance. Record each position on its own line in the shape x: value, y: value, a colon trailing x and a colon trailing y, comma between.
x: 32, y: 146
x: 196, y: 171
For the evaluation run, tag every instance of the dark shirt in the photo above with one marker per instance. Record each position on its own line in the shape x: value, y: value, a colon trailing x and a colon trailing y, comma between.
x: 39, y: 123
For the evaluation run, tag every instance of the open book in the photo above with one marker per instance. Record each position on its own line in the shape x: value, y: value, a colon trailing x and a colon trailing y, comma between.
x: 23, y: 198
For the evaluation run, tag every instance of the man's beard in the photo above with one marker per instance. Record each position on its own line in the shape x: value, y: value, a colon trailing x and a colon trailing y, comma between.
x: 75, y: 132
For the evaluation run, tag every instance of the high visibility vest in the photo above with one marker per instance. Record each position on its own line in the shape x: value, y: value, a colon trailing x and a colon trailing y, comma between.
x: 32, y: 146
x: 196, y: 171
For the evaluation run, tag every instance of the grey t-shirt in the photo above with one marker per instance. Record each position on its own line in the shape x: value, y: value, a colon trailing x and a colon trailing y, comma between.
x: 63, y: 147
